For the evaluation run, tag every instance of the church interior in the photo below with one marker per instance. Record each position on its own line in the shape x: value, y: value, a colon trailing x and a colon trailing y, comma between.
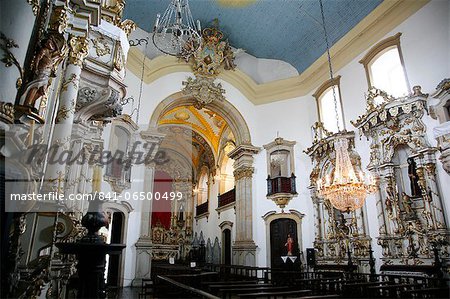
x: 225, y: 148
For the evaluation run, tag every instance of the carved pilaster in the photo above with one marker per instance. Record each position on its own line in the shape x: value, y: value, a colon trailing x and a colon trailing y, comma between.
x: 244, y: 248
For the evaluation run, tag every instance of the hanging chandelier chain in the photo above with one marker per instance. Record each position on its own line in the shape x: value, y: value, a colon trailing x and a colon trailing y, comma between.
x: 329, y: 65
x: 141, y: 87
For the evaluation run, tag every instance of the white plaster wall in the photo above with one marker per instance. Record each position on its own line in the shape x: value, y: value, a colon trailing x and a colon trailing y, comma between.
x: 16, y: 22
x: 425, y: 45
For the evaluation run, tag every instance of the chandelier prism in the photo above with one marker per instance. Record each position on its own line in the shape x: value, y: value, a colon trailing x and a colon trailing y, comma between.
x: 347, y: 192
x: 176, y: 33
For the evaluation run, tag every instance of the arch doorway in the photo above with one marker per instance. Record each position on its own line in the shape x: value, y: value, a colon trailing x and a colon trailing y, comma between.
x: 226, y: 243
x: 114, y: 264
x: 278, y: 226
x: 279, y: 231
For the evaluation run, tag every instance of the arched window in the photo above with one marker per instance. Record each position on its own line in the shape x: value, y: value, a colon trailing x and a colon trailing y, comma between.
x: 326, y: 106
x: 385, y: 68
x: 202, y: 195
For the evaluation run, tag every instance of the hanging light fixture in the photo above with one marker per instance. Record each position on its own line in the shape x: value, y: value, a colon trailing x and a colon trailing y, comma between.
x: 347, y: 192
x: 175, y: 33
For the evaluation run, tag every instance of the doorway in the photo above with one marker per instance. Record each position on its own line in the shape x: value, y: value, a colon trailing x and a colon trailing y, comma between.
x: 226, y: 241
x: 114, y: 264
x: 279, y: 231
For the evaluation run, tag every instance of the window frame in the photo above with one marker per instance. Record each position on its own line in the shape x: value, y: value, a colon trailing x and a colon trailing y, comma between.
x: 377, y: 51
x: 336, y: 81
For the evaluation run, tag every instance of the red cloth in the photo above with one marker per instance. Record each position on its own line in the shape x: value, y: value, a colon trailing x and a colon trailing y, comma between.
x: 161, y: 209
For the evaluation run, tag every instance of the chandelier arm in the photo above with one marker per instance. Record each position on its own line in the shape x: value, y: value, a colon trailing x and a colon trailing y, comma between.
x: 329, y: 65
x: 176, y: 33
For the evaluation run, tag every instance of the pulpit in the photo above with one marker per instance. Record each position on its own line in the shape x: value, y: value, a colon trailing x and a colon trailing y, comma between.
x: 91, y: 251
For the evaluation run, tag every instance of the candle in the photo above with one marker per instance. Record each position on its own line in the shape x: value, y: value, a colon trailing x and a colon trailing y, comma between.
x: 157, y: 20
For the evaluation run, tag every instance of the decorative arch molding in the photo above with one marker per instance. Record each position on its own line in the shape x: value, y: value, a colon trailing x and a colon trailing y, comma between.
x: 226, y: 225
x: 123, y: 207
x: 225, y: 109
x: 273, y: 215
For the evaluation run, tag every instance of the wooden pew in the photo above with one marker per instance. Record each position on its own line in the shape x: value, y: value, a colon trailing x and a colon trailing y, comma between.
x: 215, y: 288
x: 227, y: 293
x: 320, y: 296
x: 146, y: 288
x: 275, y: 294
x: 206, y: 283
x: 359, y: 289
x: 389, y: 291
x: 443, y: 292
x: 169, y: 288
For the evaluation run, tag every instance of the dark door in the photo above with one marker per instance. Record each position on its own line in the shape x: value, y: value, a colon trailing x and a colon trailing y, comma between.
x: 115, y: 260
x: 279, y: 230
x: 227, y: 246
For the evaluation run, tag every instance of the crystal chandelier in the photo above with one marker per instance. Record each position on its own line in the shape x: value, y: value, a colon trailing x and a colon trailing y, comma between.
x: 175, y: 33
x: 347, y: 192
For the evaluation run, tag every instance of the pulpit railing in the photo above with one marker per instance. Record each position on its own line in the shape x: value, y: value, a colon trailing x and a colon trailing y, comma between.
x: 202, y: 209
x: 227, y: 198
x: 281, y: 185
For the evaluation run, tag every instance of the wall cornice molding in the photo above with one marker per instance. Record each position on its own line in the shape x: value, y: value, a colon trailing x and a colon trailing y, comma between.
x: 382, y: 20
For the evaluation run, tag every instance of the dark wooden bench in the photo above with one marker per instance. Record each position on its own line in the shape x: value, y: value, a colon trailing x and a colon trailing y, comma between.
x: 320, y: 296
x: 443, y: 292
x: 224, y: 282
x: 225, y: 290
x: 390, y: 290
x: 275, y: 294
x: 146, y: 288
x: 228, y: 293
x: 168, y: 287
x: 359, y: 289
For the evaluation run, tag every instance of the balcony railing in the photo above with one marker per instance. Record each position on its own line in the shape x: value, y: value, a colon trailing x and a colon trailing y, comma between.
x: 281, y: 185
x: 227, y: 198
x: 202, y: 209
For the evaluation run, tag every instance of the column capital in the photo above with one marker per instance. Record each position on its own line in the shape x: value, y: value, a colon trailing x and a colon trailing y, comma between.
x: 243, y: 150
x: 152, y: 136
x: 78, y: 50
x: 243, y: 172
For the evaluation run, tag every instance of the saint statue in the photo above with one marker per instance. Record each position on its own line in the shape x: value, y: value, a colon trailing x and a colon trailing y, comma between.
x: 289, y: 244
x: 407, y: 204
x: 44, y: 65
x: 413, y: 178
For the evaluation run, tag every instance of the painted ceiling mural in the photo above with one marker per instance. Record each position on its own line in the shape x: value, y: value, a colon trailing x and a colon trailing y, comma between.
x: 211, y: 126
x: 287, y: 30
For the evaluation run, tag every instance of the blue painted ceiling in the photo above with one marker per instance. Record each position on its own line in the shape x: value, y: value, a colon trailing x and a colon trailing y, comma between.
x: 288, y: 30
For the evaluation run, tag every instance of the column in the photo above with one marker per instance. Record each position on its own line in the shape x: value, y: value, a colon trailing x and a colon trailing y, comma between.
x: 144, y: 243
x: 244, y: 248
x: 426, y: 170
x: 78, y: 50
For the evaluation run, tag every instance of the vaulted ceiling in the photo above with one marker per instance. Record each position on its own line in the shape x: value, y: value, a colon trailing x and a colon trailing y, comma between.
x: 288, y: 30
